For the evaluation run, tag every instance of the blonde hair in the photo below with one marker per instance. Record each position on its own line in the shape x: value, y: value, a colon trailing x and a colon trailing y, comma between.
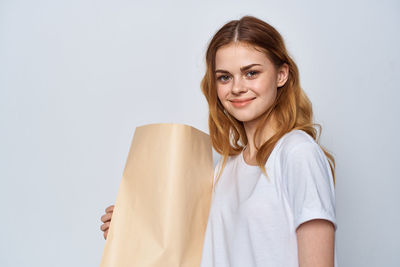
x: 291, y: 110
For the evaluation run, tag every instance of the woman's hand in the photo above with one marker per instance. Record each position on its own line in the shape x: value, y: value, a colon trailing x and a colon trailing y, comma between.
x: 106, y: 219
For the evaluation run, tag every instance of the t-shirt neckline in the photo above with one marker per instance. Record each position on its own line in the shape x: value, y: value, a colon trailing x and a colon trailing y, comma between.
x: 245, y: 163
x: 272, y: 152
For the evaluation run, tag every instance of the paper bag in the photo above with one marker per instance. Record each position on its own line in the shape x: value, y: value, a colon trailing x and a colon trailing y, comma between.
x: 162, y: 207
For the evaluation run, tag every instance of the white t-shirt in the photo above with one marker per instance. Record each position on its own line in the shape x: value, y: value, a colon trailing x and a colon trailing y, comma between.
x: 253, y: 218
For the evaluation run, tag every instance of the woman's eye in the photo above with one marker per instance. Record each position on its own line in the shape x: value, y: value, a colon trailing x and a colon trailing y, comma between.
x: 252, y: 73
x: 223, y: 78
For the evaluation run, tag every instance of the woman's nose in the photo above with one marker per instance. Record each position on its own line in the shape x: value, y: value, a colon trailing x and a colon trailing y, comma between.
x: 238, y: 86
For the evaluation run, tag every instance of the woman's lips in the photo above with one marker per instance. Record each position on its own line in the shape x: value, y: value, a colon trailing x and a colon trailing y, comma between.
x: 241, y: 102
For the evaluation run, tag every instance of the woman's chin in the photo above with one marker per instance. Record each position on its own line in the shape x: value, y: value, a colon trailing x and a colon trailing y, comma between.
x: 247, y: 119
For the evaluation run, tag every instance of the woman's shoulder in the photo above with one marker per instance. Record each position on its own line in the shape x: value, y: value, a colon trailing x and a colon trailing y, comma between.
x: 300, y: 143
x: 300, y: 153
x: 294, y: 139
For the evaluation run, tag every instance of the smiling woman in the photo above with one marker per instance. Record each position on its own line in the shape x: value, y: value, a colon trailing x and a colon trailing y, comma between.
x: 273, y: 201
x: 247, y: 58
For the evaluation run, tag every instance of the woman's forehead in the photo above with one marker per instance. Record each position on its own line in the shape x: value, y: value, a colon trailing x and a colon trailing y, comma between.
x: 235, y: 54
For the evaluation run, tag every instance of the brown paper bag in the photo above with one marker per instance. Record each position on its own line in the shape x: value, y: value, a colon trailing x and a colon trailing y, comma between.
x: 162, y: 207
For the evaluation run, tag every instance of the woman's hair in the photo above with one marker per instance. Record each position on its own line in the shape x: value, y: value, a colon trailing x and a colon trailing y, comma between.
x: 291, y: 110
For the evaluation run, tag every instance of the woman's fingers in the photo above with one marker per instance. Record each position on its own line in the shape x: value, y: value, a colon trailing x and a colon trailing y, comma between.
x: 110, y: 209
x: 106, y: 217
x: 105, y: 226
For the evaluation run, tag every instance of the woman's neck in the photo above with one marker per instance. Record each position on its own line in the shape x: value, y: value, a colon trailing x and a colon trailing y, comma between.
x: 266, y: 133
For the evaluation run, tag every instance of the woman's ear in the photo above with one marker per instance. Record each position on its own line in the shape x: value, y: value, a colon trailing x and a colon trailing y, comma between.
x: 283, y: 74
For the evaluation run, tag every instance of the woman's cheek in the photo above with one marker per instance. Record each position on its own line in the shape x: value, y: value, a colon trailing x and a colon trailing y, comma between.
x: 221, y: 94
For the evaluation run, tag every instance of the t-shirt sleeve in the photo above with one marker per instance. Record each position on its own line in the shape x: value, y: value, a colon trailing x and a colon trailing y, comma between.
x: 309, y: 184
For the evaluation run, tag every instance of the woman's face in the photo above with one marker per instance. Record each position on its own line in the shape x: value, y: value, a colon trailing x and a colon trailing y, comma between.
x: 247, y: 81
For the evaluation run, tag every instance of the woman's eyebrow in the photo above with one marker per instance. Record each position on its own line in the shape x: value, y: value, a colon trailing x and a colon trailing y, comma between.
x: 242, y: 69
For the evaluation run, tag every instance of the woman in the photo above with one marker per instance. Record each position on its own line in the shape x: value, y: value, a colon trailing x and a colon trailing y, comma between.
x: 273, y: 202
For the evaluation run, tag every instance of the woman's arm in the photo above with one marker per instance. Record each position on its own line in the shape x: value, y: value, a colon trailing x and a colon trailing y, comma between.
x: 316, y: 243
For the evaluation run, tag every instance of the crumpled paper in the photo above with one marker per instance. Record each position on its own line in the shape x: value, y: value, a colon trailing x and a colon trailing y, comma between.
x: 161, y: 212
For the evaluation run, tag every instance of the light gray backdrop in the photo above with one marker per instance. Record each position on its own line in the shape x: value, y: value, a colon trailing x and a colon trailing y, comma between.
x: 77, y: 77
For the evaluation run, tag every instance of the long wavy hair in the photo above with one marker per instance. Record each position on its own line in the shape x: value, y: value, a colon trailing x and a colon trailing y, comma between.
x: 291, y: 110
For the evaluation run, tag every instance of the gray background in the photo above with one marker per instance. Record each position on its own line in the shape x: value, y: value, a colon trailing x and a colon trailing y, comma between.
x: 77, y: 77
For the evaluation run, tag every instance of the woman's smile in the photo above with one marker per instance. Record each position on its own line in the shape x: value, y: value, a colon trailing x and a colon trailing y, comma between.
x: 238, y: 103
